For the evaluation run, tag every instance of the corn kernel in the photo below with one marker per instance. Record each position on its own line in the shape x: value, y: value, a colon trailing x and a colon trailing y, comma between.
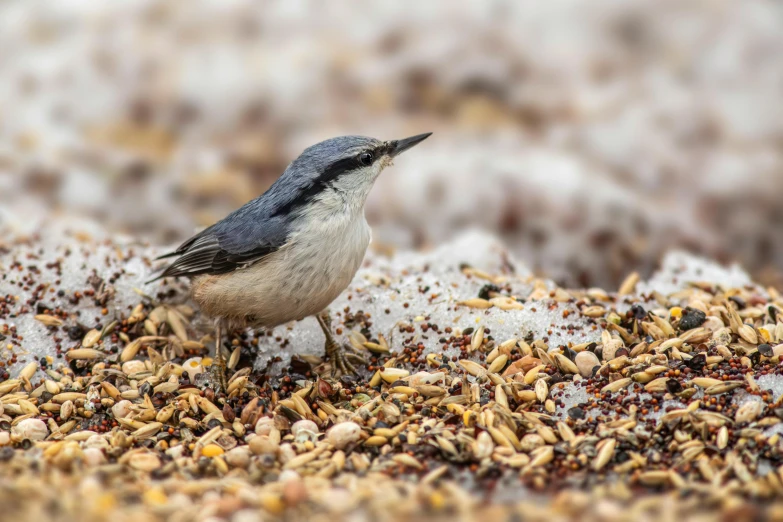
x: 212, y: 450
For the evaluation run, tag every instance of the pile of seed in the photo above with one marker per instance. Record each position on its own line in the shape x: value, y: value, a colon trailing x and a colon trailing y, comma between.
x: 676, y: 411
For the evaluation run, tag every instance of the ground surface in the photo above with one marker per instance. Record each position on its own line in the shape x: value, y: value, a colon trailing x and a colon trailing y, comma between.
x: 486, y: 392
x: 668, y: 115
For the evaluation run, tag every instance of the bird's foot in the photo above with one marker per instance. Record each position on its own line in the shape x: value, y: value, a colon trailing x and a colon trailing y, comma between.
x: 340, y: 361
x: 218, y: 372
x: 218, y: 369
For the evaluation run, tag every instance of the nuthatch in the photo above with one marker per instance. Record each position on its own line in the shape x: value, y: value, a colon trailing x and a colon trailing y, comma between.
x: 290, y: 252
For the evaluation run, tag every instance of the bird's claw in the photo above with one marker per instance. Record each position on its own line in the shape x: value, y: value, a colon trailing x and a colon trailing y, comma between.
x: 339, y: 361
x: 218, y: 372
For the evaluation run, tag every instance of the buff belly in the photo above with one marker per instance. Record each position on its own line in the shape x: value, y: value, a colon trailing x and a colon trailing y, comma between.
x: 299, y: 280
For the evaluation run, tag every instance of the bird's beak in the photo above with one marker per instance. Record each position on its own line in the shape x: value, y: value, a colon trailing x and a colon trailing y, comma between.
x: 397, y: 147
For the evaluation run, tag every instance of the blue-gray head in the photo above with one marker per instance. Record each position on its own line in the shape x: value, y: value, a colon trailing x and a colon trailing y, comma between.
x: 345, y: 167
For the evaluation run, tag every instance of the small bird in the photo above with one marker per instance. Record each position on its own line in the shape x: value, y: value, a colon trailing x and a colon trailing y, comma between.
x: 290, y: 252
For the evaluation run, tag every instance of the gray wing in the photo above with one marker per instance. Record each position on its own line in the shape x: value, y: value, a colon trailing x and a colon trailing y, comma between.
x: 231, y: 244
x: 257, y: 229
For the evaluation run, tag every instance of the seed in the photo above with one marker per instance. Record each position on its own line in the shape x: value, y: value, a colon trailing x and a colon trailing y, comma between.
x: 407, y: 460
x: 722, y: 439
x: 654, y: 478
x: 594, y: 311
x: 48, y: 320
x: 690, y: 454
x: 428, y: 390
x: 542, y: 390
x: 705, y: 382
x: 472, y: 368
x: 526, y: 395
x: 375, y: 347
x: 393, y: 374
x: 174, y: 321
x: 28, y: 408
x: 304, y: 458
x: 211, y: 450
x: 617, y: 385
x: 642, y: 377
x: 531, y: 441
x: 723, y: 387
x: 262, y: 445
x: 748, y: 412
x: 542, y: 456
x: 304, y: 427
x: 91, y: 338
x: 565, y: 364
x: 446, y: 445
x: 66, y: 410
x: 28, y: 371
x: 130, y: 351
x: 586, y: 362
x: 532, y: 375
x: 566, y: 433
x: 165, y: 413
x: 110, y: 390
x: 342, y: 434
x: 144, y: 462
x: 656, y: 385
x: 498, y: 364
x: 166, y: 387
x: 605, y: 454
x: 506, y: 303
x: 665, y: 327
x: 233, y: 360
x: 547, y: 434
x: 121, y: 409
x: 478, y: 338
x: 501, y: 397
x: 628, y: 285
x: 748, y: 334
x: 83, y: 354
x: 482, y: 447
x: 476, y: 302
x: 407, y: 390
x: 69, y: 396
x: 30, y: 429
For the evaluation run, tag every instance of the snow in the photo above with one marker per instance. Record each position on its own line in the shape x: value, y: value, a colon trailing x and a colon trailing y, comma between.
x: 78, y: 261
x: 395, y: 284
x: 571, y: 394
x: 679, y: 269
x: 771, y: 382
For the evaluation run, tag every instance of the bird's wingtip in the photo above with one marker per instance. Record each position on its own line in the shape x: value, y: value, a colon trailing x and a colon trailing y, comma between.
x: 164, y: 256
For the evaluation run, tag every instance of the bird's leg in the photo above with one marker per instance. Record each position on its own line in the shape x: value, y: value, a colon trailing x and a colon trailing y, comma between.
x: 334, y: 351
x: 219, y: 363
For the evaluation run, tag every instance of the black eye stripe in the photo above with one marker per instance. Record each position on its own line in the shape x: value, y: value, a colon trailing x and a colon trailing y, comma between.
x: 350, y: 163
x: 330, y: 174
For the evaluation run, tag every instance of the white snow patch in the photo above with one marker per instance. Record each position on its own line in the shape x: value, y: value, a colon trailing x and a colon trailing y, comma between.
x: 679, y: 268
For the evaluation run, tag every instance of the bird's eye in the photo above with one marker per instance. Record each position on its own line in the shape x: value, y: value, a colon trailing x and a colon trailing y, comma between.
x: 366, y: 158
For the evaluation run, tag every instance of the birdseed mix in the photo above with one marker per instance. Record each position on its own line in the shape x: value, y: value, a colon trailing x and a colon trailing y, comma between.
x: 674, y: 411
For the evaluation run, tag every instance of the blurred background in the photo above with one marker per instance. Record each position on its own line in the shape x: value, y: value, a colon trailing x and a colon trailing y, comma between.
x: 591, y: 135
